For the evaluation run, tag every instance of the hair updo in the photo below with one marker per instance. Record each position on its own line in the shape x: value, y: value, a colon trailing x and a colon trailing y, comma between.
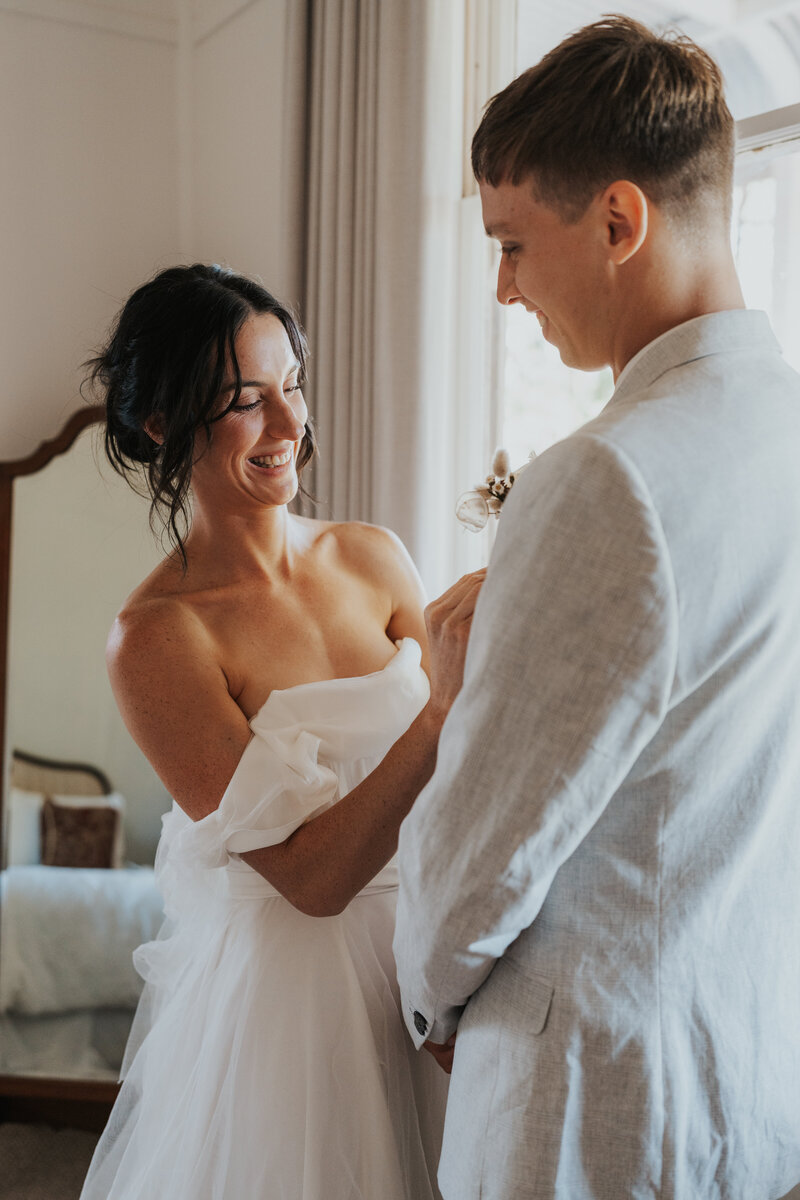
x: 164, y: 362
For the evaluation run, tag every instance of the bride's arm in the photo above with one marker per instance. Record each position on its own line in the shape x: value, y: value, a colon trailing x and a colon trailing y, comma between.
x: 174, y: 698
x: 327, y: 861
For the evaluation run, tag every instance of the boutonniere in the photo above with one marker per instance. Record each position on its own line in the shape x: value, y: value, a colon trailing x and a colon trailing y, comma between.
x: 475, y: 507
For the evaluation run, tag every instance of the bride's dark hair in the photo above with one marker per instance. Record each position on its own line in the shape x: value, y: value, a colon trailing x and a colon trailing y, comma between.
x: 164, y: 364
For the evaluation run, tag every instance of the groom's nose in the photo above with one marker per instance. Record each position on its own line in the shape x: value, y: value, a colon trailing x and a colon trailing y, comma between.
x: 507, y: 291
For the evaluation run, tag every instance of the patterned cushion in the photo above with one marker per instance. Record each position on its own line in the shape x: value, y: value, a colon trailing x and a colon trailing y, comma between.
x: 78, y: 837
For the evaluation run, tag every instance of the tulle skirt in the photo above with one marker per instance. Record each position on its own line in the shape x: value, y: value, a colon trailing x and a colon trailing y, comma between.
x: 269, y: 1061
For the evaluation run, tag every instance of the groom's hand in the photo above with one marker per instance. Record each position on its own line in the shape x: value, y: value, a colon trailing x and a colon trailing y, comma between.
x: 443, y: 1052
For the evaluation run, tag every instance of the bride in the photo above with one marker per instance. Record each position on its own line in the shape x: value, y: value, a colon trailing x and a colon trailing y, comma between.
x: 278, y: 674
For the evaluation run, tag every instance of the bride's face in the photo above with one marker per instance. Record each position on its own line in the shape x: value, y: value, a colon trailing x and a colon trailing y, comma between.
x: 252, y: 453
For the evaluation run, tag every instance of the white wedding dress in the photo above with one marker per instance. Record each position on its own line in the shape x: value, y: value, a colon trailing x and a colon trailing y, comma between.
x: 268, y: 1058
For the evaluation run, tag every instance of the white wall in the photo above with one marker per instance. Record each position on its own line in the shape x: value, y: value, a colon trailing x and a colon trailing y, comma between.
x: 133, y: 134
x: 88, y: 198
x: 247, y: 139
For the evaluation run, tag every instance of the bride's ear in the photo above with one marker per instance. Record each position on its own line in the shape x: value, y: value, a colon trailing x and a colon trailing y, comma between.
x: 154, y: 428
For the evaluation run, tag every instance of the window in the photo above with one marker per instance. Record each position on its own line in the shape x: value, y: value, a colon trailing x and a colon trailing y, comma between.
x: 514, y: 390
x: 539, y: 400
x: 766, y: 221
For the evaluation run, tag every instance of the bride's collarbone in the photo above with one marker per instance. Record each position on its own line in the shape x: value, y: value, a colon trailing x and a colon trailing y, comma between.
x: 280, y: 647
x: 271, y: 668
x: 326, y: 620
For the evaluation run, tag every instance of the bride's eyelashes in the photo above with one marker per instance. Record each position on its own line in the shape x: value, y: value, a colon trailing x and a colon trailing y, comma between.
x: 248, y: 407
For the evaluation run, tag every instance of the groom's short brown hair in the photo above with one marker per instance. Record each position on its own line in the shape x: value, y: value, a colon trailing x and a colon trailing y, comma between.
x: 614, y: 101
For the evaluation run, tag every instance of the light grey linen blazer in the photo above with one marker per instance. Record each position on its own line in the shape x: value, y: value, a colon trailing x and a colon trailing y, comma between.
x: 601, y: 884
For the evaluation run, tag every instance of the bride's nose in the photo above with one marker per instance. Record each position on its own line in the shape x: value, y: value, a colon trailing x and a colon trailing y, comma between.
x: 284, y: 421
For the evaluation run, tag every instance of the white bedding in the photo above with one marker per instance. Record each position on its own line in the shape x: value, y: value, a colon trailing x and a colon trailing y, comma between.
x: 68, y: 935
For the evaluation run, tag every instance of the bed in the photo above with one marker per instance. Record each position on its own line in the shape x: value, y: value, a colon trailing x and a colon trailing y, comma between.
x: 73, y: 542
x: 72, y: 911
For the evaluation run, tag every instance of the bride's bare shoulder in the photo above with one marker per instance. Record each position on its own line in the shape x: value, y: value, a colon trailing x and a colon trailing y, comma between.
x: 156, y: 621
x: 369, y: 550
x: 378, y: 560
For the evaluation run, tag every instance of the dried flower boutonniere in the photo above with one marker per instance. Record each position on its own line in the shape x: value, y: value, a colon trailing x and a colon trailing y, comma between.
x: 474, y: 508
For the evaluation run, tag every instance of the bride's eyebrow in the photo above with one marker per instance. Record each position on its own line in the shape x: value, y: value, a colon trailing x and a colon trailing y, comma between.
x: 229, y: 387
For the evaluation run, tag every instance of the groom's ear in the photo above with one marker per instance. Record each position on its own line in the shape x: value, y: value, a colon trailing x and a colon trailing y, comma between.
x: 625, y: 211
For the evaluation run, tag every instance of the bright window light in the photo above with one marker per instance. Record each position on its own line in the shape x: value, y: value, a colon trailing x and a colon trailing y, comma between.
x: 542, y: 400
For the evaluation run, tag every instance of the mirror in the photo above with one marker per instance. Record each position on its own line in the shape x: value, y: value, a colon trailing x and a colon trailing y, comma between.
x: 81, y: 805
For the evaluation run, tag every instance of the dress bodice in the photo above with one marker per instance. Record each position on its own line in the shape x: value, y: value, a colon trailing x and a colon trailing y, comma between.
x: 311, y: 745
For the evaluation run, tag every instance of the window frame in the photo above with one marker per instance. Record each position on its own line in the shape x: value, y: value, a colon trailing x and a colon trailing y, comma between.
x: 490, y: 56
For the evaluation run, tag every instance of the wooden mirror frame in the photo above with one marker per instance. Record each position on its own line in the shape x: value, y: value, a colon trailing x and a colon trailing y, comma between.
x: 59, y: 1101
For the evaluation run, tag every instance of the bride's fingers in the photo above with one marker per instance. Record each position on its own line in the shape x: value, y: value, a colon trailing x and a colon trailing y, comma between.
x: 448, y: 621
x: 455, y: 607
x: 465, y: 606
x: 460, y: 586
x: 467, y: 586
x: 467, y: 583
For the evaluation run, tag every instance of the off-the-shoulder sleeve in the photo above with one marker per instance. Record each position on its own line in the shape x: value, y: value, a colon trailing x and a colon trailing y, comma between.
x: 281, y: 771
x: 278, y: 785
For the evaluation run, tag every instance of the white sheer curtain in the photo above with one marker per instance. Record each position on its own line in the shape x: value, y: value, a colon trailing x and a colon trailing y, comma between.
x: 382, y: 279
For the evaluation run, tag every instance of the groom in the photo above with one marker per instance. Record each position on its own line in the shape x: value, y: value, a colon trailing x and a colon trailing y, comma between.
x: 600, y: 887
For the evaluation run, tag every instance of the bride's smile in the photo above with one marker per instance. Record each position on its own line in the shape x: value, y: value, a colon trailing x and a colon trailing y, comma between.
x: 256, y: 435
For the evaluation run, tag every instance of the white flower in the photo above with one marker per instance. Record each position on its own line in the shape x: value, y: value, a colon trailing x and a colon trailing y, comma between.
x: 472, y: 511
x: 475, y: 507
x: 501, y: 463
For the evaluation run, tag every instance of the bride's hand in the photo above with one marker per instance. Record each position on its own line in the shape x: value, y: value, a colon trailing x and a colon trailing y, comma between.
x: 448, y: 620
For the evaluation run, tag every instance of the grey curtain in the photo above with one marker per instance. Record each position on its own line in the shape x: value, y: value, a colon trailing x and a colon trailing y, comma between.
x: 384, y: 186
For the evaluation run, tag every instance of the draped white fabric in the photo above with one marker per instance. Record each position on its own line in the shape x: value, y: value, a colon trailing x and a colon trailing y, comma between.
x: 386, y: 79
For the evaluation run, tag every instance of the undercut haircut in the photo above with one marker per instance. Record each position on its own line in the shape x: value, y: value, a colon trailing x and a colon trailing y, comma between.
x: 614, y: 101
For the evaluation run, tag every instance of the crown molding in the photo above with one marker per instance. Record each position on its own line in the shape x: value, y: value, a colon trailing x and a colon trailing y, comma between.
x: 91, y: 14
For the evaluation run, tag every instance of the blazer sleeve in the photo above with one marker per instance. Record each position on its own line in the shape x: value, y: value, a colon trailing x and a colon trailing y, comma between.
x: 568, y: 675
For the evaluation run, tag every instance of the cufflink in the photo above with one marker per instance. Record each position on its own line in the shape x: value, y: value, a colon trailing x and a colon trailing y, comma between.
x: 420, y: 1024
